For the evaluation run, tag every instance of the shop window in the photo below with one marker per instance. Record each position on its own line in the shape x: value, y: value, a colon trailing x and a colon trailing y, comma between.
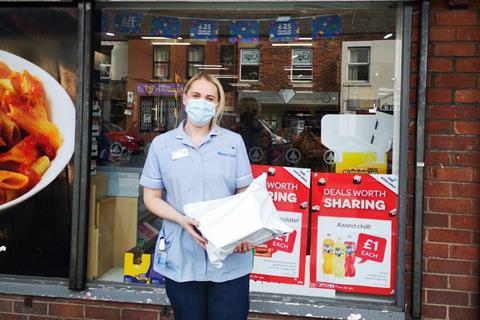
x: 250, y: 65
x: 161, y: 62
x: 320, y: 138
x: 359, y: 64
x: 195, y: 58
x: 302, y: 68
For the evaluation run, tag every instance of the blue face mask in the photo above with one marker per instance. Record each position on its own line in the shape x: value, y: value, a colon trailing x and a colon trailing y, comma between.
x: 200, y: 111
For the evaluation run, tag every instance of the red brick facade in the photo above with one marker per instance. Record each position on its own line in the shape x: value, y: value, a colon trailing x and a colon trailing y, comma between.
x: 451, y: 249
x: 450, y: 279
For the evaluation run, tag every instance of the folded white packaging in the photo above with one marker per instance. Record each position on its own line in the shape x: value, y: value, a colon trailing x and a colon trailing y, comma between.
x: 248, y: 216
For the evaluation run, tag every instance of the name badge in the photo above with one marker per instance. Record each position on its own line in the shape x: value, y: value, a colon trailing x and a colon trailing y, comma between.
x: 180, y: 153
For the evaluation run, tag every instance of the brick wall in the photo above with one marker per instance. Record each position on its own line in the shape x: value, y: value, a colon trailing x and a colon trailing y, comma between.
x: 14, y: 307
x: 452, y: 172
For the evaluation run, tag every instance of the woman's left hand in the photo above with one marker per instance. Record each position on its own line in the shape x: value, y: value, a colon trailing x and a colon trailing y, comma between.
x: 243, y: 247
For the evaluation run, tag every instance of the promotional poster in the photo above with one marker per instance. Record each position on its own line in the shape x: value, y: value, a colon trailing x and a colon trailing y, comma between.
x: 282, y: 260
x: 38, y: 58
x: 354, y: 225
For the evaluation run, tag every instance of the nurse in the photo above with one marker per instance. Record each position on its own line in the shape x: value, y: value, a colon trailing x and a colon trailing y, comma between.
x: 198, y: 161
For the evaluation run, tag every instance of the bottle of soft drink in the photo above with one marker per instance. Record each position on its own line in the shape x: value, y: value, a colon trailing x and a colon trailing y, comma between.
x: 350, y: 247
x: 328, y: 255
x: 339, y: 250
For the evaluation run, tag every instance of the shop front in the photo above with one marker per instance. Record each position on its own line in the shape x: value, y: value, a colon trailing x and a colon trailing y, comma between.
x: 318, y: 91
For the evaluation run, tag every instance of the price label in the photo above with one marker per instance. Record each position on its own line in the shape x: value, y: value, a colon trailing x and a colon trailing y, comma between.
x: 284, y: 243
x: 370, y: 248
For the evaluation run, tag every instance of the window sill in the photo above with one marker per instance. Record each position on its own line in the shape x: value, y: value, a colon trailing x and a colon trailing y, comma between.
x: 249, y: 81
x: 144, y: 294
x: 357, y: 84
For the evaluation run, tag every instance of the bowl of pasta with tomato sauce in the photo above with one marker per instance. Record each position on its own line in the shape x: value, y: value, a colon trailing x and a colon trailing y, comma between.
x: 37, y: 129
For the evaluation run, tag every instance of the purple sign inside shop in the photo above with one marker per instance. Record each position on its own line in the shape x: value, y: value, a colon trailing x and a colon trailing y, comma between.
x: 159, y: 89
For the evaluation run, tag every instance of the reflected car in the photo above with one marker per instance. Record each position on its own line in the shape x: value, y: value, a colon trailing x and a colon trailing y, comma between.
x: 122, y: 140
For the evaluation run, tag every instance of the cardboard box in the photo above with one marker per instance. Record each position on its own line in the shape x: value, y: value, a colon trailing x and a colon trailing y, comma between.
x: 123, y: 184
x: 100, y: 182
x: 112, y: 231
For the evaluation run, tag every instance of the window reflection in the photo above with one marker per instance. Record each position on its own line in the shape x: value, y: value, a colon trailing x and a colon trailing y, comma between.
x: 311, y: 87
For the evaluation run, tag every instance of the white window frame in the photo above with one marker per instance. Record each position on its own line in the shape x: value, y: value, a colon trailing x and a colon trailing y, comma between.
x: 194, y: 62
x: 246, y: 63
x: 301, y: 66
x: 167, y: 63
x: 353, y: 64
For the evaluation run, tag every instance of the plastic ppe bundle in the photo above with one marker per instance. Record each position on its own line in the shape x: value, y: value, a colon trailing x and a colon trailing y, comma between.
x: 248, y: 216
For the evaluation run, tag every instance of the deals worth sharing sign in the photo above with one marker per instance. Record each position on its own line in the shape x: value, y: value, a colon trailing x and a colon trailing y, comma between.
x: 354, y: 223
x: 282, y: 259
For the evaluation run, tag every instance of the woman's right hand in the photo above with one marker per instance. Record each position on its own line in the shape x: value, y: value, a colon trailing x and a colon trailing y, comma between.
x: 190, y: 225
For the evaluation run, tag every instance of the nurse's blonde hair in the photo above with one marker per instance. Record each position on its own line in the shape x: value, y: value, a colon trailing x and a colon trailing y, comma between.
x: 221, y: 94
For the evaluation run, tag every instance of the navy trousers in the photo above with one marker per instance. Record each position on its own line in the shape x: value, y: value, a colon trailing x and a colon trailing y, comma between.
x: 206, y: 300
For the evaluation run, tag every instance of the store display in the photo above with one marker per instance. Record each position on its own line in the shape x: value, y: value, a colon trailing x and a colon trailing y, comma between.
x: 360, y: 142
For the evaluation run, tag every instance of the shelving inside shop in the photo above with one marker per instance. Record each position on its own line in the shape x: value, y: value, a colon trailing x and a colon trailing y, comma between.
x: 96, y: 129
x: 122, y: 232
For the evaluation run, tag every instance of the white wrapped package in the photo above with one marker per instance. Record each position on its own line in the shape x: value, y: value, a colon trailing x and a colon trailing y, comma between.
x: 248, y: 216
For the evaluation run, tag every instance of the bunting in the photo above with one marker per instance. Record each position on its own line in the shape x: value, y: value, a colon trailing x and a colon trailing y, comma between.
x: 165, y: 27
x: 244, y: 31
x: 130, y: 23
x: 326, y: 27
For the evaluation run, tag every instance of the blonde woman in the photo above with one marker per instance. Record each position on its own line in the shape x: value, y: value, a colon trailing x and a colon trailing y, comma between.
x: 198, y: 161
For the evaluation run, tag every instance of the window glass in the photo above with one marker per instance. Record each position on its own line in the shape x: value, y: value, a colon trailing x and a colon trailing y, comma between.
x: 302, y: 69
x: 359, y: 66
x: 161, y: 61
x: 250, y: 64
x: 195, y: 60
x: 313, y: 90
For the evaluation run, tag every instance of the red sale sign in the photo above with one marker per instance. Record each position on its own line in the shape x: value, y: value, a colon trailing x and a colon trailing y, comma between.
x: 370, y: 248
x: 354, y: 225
x: 282, y: 260
x: 284, y: 243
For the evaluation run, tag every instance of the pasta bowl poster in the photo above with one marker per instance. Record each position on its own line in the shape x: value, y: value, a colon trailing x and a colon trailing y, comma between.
x: 37, y: 120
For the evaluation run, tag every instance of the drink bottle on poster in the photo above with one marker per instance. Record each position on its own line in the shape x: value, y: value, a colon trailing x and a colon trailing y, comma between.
x: 328, y: 255
x: 339, y: 259
x: 349, y: 257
